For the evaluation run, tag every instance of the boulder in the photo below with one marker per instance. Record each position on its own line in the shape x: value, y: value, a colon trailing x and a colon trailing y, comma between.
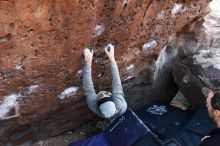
x: 201, y: 71
x: 197, y: 74
x: 41, y: 44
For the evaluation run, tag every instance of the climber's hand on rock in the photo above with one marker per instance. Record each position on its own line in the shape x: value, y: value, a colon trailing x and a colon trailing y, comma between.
x: 88, y: 57
x: 109, y: 50
x: 211, y: 93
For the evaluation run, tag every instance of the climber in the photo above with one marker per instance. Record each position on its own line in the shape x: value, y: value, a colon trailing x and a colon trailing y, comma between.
x: 105, y: 104
x: 213, y: 105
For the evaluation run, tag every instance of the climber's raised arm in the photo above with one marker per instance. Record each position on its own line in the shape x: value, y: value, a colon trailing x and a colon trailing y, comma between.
x: 91, y: 96
x: 117, y: 91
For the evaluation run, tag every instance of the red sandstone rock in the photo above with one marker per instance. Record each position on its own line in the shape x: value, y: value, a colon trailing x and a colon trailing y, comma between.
x: 41, y: 43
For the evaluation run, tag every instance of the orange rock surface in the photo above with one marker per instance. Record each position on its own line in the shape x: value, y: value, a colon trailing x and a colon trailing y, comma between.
x: 41, y: 44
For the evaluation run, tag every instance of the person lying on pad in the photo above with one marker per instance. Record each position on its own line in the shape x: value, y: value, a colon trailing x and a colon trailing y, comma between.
x: 213, y: 105
x: 105, y: 104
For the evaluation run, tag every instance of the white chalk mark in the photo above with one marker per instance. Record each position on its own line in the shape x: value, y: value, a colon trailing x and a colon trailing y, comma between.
x: 7, y: 104
x: 19, y: 67
x: 149, y: 45
x: 129, y: 77
x: 177, y: 8
x: 79, y: 74
x: 68, y: 92
x: 130, y: 67
x: 125, y: 2
x: 32, y: 88
x: 161, y: 15
x: 98, y: 30
x: 99, y: 75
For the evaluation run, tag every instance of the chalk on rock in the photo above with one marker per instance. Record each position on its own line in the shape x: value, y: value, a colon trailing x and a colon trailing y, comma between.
x: 8, y: 103
x: 149, y: 45
x: 98, y: 30
x: 68, y: 92
x: 177, y: 8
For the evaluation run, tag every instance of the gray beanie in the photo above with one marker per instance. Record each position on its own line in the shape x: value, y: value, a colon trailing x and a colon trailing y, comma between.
x: 107, y: 109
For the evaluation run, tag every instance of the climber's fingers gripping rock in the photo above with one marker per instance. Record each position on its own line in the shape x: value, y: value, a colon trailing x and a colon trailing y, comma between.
x: 88, y: 56
x: 109, y: 50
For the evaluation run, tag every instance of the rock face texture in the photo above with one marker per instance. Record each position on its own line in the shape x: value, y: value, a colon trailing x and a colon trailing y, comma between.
x: 200, y: 72
x: 41, y: 44
x: 197, y: 74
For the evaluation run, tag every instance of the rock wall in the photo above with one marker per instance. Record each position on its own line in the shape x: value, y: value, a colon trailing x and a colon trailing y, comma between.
x: 200, y: 72
x: 41, y: 44
x: 196, y: 75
